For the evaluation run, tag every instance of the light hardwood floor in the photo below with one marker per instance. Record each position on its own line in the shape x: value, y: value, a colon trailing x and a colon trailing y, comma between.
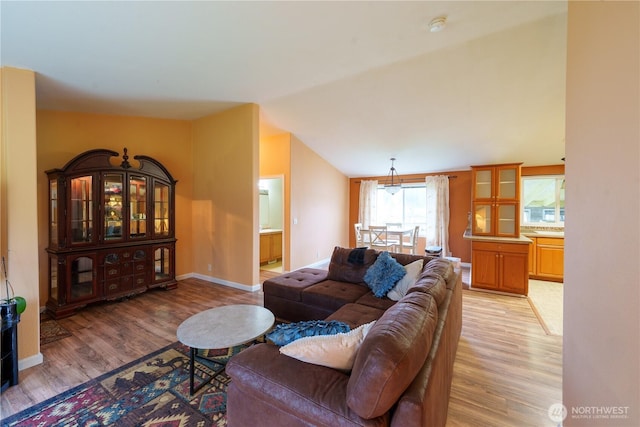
x: 507, y: 371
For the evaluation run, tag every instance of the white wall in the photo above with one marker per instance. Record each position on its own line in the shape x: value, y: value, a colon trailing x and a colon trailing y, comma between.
x: 601, y: 359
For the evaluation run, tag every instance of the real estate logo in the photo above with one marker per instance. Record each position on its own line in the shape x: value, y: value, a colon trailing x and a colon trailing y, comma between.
x: 557, y: 413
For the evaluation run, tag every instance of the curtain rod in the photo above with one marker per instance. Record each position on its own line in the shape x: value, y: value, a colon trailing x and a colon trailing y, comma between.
x: 413, y: 180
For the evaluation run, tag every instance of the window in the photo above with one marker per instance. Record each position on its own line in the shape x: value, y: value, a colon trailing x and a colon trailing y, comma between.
x: 543, y: 200
x: 408, y: 206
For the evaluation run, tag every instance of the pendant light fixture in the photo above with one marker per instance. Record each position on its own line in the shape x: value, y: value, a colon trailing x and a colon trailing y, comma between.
x: 392, y: 186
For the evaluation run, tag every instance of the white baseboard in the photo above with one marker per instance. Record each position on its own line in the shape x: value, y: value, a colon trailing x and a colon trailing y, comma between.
x: 322, y: 263
x: 249, y: 288
x: 30, y: 361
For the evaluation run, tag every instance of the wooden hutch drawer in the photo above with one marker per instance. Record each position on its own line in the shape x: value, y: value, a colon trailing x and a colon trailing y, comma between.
x: 118, y: 286
x: 501, y: 247
x: 111, y: 271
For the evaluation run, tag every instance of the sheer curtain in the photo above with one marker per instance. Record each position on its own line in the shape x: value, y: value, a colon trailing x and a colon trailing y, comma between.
x: 368, y: 197
x: 438, y: 212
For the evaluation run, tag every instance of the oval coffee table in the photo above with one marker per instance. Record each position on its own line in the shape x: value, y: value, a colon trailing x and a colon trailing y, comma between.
x: 222, y: 327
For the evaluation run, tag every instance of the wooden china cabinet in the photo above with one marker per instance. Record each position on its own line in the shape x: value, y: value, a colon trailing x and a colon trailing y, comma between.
x: 111, y: 230
x: 499, y: 255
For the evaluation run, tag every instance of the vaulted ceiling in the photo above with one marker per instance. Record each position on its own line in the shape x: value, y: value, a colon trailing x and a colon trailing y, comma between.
x: 358, y: 82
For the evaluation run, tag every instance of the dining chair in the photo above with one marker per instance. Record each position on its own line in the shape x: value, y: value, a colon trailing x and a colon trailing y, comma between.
x: 362, y: 239
x: 378, y: 238
x: 412, y: 243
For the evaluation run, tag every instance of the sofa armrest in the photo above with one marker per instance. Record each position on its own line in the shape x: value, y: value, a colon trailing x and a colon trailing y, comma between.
x: 292, y: 392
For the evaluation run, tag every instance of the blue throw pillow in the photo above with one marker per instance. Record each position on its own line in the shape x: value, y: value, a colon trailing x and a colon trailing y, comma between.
x: 384, y: 274
x: 285, y: 333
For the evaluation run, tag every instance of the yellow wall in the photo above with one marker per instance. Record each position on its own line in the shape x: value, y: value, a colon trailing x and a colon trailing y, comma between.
x: 225, y: 216
x: 601, y: 340
x: 63, y: 135
x: 275, y: 160
x: 319, y: 206
x: 18, y: 203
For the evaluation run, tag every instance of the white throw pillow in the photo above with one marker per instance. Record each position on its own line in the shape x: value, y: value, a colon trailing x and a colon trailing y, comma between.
x: 334, y: 351
x: 400, y: 289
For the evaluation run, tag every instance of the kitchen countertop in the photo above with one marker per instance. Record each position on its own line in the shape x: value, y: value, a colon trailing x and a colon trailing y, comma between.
x: 543, y: 233
x: 519, y: 240
x: 270, y: 231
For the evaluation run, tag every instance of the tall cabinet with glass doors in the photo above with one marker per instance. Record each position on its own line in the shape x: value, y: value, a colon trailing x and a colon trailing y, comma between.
x: 499, y: 255
x: 111, y: 229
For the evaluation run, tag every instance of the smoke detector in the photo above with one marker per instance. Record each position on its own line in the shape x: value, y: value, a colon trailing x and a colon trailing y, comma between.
x: 438, y: 24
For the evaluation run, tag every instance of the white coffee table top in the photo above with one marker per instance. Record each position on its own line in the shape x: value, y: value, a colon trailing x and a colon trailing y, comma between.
x: 225, y: 326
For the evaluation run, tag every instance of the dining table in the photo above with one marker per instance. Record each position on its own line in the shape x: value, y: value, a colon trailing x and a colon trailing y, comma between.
x: 396, y: 233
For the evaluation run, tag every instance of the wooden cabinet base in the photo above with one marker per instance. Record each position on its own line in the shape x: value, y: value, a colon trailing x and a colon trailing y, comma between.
x: 502, y: 267
x: 270, y: 247
x: 546, y: 259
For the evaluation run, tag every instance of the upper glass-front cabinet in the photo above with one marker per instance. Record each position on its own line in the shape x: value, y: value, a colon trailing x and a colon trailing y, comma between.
x: 500, y: 182
x: 109, y: 204
x: 496, y: 198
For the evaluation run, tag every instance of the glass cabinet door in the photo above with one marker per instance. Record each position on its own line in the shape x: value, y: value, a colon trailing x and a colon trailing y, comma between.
x: 82, y: 283
x: 507, y: 215
x: 507, y: 183
x: 483, y: 184
x: 482, y: 218
x: 81, y: 218
x: 137, y: 206
x: 162, y: 264
x: 53, y: 278
x: 53, y: 212
x: 161, y: 209
x: 112, y: 206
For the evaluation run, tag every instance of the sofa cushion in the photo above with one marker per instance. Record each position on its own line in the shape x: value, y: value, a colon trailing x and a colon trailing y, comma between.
x: 369, y: 299
x: 405, y: 259
x: 289, y: 392
x: 332, y: 295
x: 356, y: 314
x: 336, y: 351
x: 441, y: 266
x: 284, y: 333
x: 431, y: 283
x: 391, y: 355
x: 290, y: 285
x: 400, y: 288
x: 384, y: 274
x: 350, y: 265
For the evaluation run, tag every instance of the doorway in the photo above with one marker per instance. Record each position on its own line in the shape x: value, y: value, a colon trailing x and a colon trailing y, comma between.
x: 271, y: 201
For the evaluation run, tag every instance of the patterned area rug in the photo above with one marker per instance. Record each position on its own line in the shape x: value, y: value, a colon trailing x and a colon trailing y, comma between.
x: 152, y: 391
x: 50, y: 330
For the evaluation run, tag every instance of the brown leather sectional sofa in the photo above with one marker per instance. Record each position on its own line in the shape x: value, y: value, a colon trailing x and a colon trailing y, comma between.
x: 402, y: 372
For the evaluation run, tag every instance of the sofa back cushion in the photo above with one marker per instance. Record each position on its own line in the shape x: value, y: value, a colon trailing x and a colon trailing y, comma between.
x: 405, y: 259
x: 391, y: 355
x: 350, y: 265
x: 441, y: 266
x: 431, y: 283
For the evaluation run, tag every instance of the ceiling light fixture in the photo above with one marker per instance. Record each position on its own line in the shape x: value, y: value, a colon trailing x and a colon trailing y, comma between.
x: 438, y: 24
x: 391, y: 186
